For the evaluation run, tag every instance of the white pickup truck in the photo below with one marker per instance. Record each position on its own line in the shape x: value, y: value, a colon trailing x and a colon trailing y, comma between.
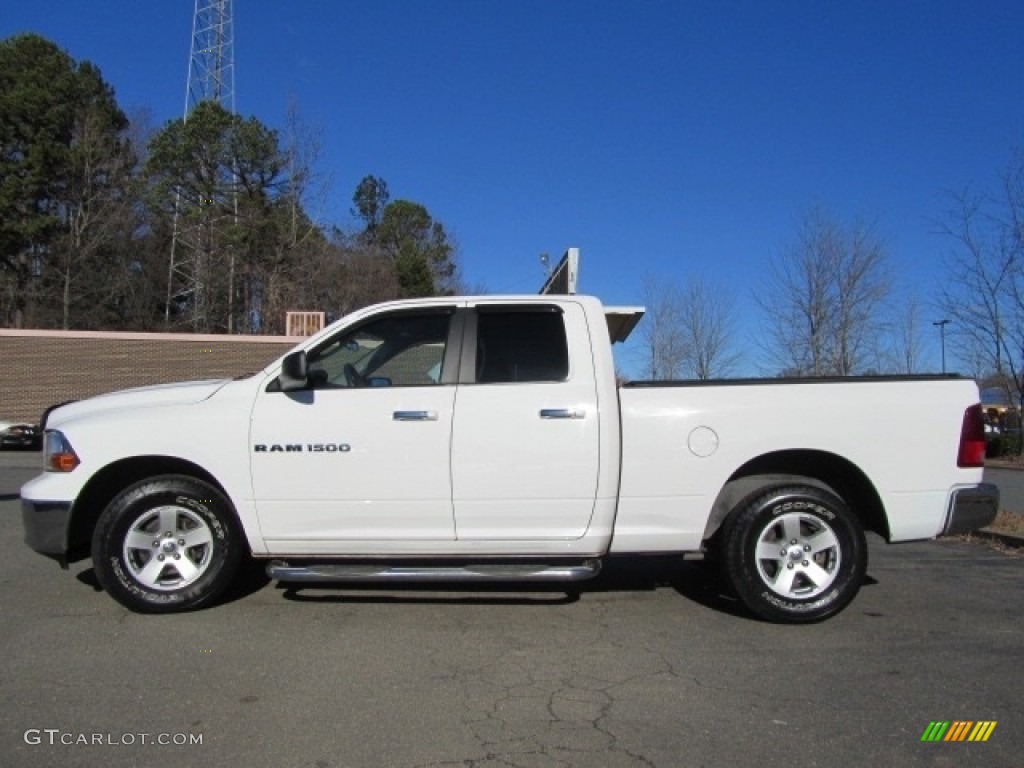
x: 455, y: 439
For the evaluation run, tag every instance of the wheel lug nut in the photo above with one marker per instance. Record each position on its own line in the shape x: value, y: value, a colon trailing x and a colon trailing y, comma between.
x: 807, y: 547
x: 790, y: 566
x: 783, y: 553
x: 804, y: 563
x: 793, y: 541
x: 161, y: 558
x: 181, y: 542
x: 178, y: 557
x: 156, y: 543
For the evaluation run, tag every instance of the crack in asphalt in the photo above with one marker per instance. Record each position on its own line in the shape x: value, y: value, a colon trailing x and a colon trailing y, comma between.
x: 523, y: 716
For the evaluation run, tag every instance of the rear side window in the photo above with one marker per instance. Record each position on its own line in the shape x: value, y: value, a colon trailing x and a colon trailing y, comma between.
x: 517, y: 346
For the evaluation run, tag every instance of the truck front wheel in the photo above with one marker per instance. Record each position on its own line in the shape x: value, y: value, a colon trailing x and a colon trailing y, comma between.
x: 794, y: 554
x: 166, y: 544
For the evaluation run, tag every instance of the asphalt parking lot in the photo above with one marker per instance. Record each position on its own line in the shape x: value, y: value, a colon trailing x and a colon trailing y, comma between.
x: 650, y: 666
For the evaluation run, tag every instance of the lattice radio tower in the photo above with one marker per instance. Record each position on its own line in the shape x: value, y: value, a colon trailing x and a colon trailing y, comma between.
x: 211, y: 77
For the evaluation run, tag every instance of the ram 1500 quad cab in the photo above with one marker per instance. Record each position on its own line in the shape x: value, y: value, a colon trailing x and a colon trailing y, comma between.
x: 453, y: 439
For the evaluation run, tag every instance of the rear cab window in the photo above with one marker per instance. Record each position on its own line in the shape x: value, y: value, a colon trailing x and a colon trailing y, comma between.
x: 520, y: 344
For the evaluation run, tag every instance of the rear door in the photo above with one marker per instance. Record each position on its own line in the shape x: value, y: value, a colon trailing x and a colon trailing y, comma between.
x: 525, y: 437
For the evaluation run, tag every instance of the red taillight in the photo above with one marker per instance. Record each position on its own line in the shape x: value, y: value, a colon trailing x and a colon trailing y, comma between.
x: 972, y: 439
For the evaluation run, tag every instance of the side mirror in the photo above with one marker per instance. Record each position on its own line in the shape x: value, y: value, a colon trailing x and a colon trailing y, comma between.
x: 293, y: 372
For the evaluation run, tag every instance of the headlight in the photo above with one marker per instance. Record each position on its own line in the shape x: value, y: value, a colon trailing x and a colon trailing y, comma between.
x: 58, y: 455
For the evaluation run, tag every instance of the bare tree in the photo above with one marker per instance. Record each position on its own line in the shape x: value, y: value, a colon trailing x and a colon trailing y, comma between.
x: 307, y: 190
x: 297, y: 261
x: 862, y: 287
x: 984, y: 297
x: 688, y: 330
x: 98, y: 212
x: 824, y: 298
x: 664, y: 347
x: 908, y: 337
x: 706, y: 317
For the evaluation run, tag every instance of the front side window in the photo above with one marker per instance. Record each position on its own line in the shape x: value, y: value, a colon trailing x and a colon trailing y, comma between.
x: 521, y: 346
x: 404, y: 350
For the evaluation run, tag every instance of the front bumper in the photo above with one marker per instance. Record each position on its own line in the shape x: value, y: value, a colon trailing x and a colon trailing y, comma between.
x: 970, y: 508
x: 46, y: 527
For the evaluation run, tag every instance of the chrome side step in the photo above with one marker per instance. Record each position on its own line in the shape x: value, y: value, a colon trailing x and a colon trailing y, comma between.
x: 474, y: 572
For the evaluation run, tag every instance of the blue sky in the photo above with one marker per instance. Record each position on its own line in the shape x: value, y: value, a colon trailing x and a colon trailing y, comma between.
x: 673, y: 139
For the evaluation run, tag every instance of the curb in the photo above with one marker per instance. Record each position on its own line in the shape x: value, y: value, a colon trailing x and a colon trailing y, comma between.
x: 998, y: 464
x: 1007, y: 539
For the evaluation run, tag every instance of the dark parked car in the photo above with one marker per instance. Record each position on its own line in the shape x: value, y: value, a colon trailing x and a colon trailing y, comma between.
x: 20, y: 435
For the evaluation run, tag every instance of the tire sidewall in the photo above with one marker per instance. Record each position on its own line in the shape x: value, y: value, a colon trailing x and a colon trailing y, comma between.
x: 114, y: 524
x: 755, y: 515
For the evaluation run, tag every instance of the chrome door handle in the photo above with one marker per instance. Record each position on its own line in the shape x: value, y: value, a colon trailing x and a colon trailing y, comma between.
x: 562, y: 413
x: 414, y: 416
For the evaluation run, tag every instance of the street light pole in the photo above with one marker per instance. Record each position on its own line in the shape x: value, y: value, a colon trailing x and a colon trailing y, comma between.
x: 942, y: 335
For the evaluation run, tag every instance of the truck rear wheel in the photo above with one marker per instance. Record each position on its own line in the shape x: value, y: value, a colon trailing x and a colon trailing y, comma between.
x: 794, y: 554
x: 166, y: 544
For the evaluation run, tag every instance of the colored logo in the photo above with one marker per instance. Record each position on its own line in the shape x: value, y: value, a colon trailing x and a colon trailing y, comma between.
x: 958, y: 730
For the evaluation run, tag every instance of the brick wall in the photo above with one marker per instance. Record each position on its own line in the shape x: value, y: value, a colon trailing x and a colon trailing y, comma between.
x: 40, y: 368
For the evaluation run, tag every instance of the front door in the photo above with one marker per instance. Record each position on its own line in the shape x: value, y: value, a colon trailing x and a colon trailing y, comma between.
x: 363, y: 452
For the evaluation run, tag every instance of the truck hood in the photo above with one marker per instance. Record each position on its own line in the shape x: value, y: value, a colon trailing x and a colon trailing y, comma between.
x: 179, y: 393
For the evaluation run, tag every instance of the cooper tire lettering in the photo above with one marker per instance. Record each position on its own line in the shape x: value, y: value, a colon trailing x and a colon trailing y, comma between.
x: 794, y: 554
x: 170, y: 543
